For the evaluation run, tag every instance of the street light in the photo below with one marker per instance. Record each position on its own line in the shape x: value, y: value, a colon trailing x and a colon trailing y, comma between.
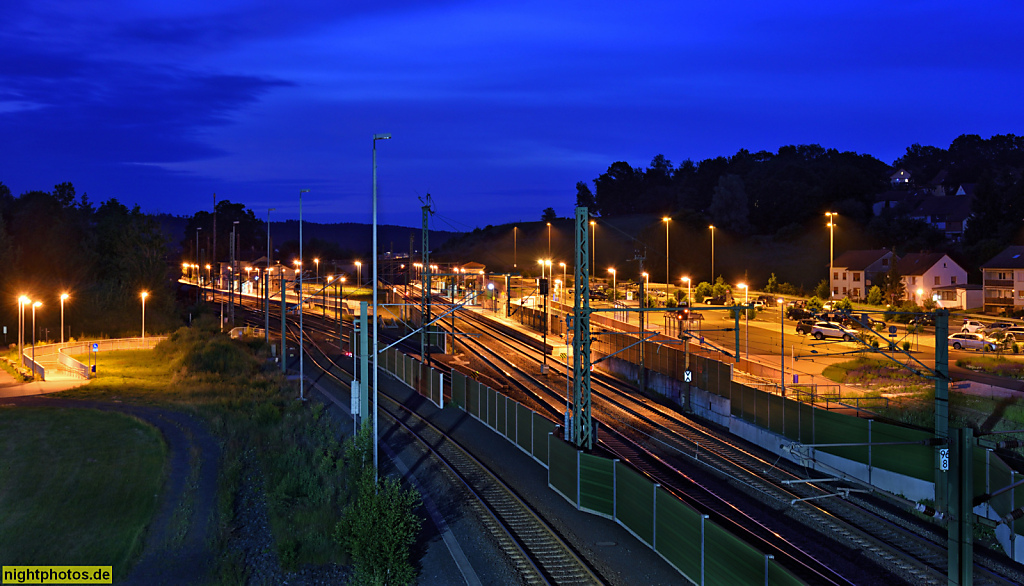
x: 302, y: 365
x: 614, y: 295
x: 746, y: 318
x: 144, y: 294
x: 359, y: 274
x: 688, y: 283
x: 593, y: 246
x: 316, y: 261
x: 515, y: 247
x: 34, y: 306
x: 266, y: 286
x: 782, y: 343
x: 831, y: 238
x: 376, y: 137
x: 643, y: 293
x: 63, y: 297
x: 712, y: 228
x: 23, y: 300
x: 198, y: 260
x: 920, y: 294
x: 549, y: 239
x: 561, y: 294
x: 666, y: 219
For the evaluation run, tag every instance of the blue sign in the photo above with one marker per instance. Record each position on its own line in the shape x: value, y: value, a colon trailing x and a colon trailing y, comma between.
x: 95, y: 347
x: 892, y: 330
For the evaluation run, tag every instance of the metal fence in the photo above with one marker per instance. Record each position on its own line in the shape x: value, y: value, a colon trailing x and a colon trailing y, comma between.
x: 64, y: 352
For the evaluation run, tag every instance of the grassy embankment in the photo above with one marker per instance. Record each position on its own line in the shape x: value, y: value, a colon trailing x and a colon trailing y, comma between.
x: 77, y: 487
x: 263, y: 429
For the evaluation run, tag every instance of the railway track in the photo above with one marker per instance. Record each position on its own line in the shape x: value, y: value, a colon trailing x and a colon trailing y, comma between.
x: 915, y: 548
x: 536, y: 549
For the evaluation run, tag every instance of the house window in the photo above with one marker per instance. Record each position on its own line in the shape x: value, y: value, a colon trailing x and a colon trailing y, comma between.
x: 835, y: 276
x: 856, y: 278
x: 844, y: 290
x: 952, y: 280
x: 885, y: 262
x: 844, y: 276
x: 948, y: 295
x: 938, y: 280
x: 835, y: 290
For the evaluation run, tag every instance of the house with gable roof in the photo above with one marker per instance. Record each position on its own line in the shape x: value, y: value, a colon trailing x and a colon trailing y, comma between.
x: 924, y: 272
x: 1003, y: 281
x: 855, y: 271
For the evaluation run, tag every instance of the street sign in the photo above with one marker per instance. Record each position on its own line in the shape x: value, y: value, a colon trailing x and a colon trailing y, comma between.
x: 95, y: 347
x: 892, y: 330
x: 944, y: 459
x: 687, y: 377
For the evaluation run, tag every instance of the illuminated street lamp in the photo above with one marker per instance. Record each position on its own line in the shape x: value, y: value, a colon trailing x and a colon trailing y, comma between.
x: 184, y: 269
x: 63, y: 297
x: 549, y: 239
x: 144, y: 294
x: 643, y: 294
x: 23, y: 300
x: 515, y: 247
x: 831, y: 237
x: 614, y: 295
x: 746, y: 315
x: 667, y: 220
x: 359, y: 273
x: 376, y: 407
x: 688, y: 283
x: 920, y: 294
x: 34, y: 306
x: 712, y: 228
x: 782, y: 344
x: 562, y: 264
x: 316, y: 261
x: 593, y: 246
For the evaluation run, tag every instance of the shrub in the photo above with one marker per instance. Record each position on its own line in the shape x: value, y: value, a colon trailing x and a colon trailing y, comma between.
x: 702, y: 290
x: 906, y: 346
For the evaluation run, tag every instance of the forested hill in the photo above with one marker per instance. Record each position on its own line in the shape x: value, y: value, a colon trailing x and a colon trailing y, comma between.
x: 764, y: 192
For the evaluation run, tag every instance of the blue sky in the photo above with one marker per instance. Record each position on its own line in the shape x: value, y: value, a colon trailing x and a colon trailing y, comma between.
x: 497, y: 108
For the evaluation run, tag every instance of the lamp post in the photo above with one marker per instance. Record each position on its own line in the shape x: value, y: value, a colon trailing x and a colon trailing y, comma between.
x: 198, y: 261
x: 688, y: 283
x: 666, y: 219
x: 549, y: 239
x: 746, y: 316
x: 22, y: 302
x: 266, y: 285
x: 337, y: 306
x: 643, y: 293
x: 712, y: 228
x: 920, y: 294
x: 209, y: 277
x: 782, y: 344
x: 144, y: 294
x: 316, y: 261
x: 593, y: 246
x: 515, y: 247
x: 34, y: 306
x: 561, y: 290
x: 302, y: 365
x: 63, y: 297
x: 359, y: 274
x: 831, y: 239
x: 614, y: 294
x: 376, y: 436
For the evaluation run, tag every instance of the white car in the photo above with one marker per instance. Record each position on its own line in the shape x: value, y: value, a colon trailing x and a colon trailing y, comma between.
x: 972, y: 326
x: 968, y: 341
x: 828, y: 329
x: 1014, y: 334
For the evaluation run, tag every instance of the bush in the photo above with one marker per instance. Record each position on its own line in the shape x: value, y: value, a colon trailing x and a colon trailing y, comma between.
x: 875, y: 295
x: 844, y: 304
x: 379, y: 527
x: 671, y: 302
x: 822, y: 289
x: 815, y: 304
x: 906, y: 346
x: 703, y: 289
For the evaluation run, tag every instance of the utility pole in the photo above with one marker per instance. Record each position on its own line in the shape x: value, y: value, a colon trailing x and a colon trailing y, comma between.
x: 284, y: 327
x: 643, y: 295
x: 428, y: 208
x: 582, y: 430
x: 213, y: 248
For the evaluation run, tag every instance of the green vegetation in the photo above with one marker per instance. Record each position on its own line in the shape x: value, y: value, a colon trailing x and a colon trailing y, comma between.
x: 265, y: 432
x: 997, y: 365
x: 77, y: 487
x: 876, y: 374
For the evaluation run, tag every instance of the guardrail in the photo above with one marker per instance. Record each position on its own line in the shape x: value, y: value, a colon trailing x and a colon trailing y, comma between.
x: 76, y: 368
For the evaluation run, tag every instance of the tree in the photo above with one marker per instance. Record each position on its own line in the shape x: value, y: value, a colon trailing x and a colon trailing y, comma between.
x: 584, y: 198
x: 721, y: 288
x: 875, y: 295
x: 729, y: 204
x: 843, y: 304
x: 822, y: 289
x: 773, y: 284
x: 702, y: 290
x: 893, y: 287
x: 549, y: 215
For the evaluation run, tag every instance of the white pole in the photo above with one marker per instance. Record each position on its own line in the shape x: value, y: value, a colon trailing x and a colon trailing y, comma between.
x: 302, y: 371
x: 376, y: 434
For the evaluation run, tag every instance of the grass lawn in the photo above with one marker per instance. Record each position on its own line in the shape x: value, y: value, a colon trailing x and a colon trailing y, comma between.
x: 878, y: 375
x: 997, y: 365
x: 77, y: 487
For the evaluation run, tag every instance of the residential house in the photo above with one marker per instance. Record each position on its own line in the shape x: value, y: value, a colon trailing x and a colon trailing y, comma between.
x: 961, y: 296
x: 1003, y: 281
x: 855, y: 271
x: 900, y: 177
x: 923, y: 272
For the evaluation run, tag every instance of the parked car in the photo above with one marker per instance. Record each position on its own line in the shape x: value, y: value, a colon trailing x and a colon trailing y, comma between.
x: 925, y: 319
x: 804, y: 326
x: 999, y: 326
x: 972, y: 326
x: 970, y: 341
x: 798, y: 313
x: 719, y: 300
x: 758, y: 304
x: 1013, y: 334
x: 831, y: 329
x: 598, y: 295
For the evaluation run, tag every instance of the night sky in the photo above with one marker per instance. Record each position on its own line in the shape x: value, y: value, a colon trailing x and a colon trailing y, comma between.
x: 497, y: 108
